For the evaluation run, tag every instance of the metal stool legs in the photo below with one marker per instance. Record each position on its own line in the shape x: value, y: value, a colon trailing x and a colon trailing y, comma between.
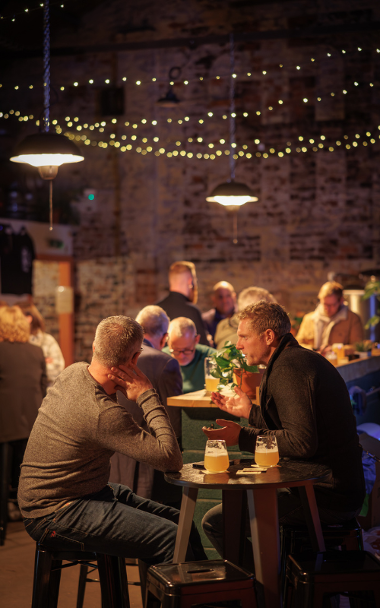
x: 47, y: 576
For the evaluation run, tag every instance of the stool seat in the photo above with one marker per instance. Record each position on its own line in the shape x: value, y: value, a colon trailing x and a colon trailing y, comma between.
x: 295, y: 539
x: 310, y: 575
x: 185, y: 584
x: 347, y: 534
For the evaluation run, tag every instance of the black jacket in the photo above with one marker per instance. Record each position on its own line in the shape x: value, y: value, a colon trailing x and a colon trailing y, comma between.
x: 305, y: 401
x: 177, y: 305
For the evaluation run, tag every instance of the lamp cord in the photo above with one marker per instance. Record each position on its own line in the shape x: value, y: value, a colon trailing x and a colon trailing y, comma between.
x: 46, y: 119
x: 51, y: 204
x: 233, y: 131
x: 232, y: 106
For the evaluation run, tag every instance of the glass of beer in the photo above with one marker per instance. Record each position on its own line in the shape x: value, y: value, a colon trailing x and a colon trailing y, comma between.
x: 266, y: 451
x: 211, y: 383
x: 216, y: 458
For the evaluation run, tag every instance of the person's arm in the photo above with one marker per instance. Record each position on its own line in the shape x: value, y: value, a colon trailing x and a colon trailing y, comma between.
x: 356, y: 330
x: 55, y: 362
x: 170, y: 385
x: 305, y: 335
x: 292, y: 408
x: 170, y: 381
x: 120, y: 433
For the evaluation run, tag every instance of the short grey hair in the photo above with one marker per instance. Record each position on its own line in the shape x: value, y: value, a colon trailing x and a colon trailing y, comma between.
x: 252, y: 295
x: 154, y: 320
x: 267, y: 315
x: 116, y: 340
x: 180, y: 326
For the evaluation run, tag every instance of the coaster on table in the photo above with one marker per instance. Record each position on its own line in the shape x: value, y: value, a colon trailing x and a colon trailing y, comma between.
x: 251, y: 472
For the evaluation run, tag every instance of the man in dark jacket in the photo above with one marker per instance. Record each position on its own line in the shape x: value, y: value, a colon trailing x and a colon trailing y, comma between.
x: 305, y: 403
x: 183, y: 296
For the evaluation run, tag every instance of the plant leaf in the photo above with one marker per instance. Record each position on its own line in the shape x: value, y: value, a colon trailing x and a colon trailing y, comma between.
x: 372, y: 321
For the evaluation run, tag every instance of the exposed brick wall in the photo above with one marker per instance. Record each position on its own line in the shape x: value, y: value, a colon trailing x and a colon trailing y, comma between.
x: 318, y: 211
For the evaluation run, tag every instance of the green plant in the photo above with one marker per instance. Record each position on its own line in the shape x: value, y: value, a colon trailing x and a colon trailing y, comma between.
x: 372, y: 289
x: 227, y: 360
x: 363, y: 347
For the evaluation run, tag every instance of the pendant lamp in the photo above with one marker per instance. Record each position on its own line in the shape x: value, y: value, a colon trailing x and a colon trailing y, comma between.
x: 47, y: 151
x: 232, y: 194
x: 170, y: 99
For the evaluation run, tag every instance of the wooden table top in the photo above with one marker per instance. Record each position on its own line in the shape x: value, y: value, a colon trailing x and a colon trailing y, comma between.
x: 196, y: 399
x: 290, y: 473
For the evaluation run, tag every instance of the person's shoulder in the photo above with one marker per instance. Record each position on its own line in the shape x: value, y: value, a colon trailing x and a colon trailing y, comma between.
x: 209, y: 315
x: 162, y: 301
x: 308, y: 316
x: 296, y: 357
x: 205, y: 350
x: 74, y: 372
x: 353, y: 316
x: 34, y: 349
x: 48, y: 339
x: 153, y: 354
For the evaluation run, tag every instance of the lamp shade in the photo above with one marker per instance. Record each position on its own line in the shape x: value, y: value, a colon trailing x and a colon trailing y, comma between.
x: 46, y: 149
x: 232, y: 194
x: 169, y: 101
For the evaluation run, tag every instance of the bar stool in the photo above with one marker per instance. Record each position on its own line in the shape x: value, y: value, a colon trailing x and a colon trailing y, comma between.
x: 182, y: 585
x: 86, y: 570
x: 47, y: 576
x: 295, y: 539
x: 311, y: 575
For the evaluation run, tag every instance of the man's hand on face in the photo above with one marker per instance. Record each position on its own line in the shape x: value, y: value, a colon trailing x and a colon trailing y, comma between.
x: 130, y: 380
x: 239, y: 406
x: 230, y: 432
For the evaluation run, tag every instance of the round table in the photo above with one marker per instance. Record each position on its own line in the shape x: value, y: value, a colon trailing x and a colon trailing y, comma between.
x: 260, y: 490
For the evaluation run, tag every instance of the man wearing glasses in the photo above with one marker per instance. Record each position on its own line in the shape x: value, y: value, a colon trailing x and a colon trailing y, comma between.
x: 183, y: 345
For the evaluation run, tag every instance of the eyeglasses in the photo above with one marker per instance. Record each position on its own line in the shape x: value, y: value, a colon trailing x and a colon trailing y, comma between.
x: 183, y: 351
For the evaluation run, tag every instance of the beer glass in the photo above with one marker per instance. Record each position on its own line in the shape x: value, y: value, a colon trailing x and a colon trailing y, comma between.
x: 211, y: 383
x: 266, y: 451
x: 216, y: 458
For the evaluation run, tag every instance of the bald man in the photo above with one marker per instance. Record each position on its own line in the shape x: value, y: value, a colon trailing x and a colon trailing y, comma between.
x: 224, y: 300
x: 183, y: 345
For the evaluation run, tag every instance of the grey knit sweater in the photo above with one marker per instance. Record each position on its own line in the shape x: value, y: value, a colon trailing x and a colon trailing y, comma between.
x: 78, y: 428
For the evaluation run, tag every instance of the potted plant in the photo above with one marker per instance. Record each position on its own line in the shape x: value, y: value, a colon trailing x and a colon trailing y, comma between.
x: 372, y: 289
x: 362, y: 348
x: 232, y: 367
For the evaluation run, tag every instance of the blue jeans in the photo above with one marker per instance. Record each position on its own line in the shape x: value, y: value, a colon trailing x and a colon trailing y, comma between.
x: 115, y: 521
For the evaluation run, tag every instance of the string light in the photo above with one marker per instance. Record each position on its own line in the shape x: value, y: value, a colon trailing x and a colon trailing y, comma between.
x: 225, y: 76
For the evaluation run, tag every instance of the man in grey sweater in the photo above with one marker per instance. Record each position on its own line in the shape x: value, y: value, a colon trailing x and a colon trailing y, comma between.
x: 64, y: 493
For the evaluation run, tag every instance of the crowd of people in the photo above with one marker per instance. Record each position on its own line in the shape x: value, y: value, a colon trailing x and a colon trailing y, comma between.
x: 92, y: 470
